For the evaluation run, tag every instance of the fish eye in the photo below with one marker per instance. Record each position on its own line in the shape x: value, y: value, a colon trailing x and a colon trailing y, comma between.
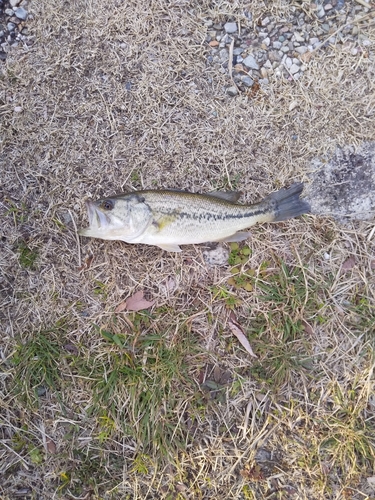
x: 107, y: 204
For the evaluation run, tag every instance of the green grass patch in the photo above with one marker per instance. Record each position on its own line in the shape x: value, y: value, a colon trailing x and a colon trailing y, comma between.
x: 26, y: 256
x: 141, y: 384
x: 278, y: 334
x: 36, y: 364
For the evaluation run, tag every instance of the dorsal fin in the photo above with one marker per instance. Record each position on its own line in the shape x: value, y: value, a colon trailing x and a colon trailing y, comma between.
x: 232, y: 196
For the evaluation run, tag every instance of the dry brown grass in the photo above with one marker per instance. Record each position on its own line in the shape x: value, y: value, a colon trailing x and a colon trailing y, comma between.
x: 117, y: 95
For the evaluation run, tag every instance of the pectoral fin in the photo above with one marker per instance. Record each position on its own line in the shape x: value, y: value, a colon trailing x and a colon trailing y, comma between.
x: 170, y: 248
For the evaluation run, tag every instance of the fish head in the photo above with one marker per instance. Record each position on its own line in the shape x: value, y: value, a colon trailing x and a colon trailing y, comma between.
x: 122, y: 217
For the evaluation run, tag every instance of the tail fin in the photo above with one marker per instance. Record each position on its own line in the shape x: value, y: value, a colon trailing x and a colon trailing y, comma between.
x: 286, y: 202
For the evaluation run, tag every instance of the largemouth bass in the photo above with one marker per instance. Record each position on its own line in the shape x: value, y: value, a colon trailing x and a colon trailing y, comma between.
x: 168, y: 219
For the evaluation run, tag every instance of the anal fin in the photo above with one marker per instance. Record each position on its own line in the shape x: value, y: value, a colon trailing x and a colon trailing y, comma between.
x: 240, y: 236
x: 170, y: 247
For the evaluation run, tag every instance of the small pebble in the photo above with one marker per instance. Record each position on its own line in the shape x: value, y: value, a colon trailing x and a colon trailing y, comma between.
x: 232, y: 91
x: 250, y: 62
x: 298, y: 37
x: 18, y: 109
x: 301, y: 50
x: 246, y: 80
x: 14, y: 3
x: 230, y: 27
x: 265, y: 21
x: 294, y: 69
x: 276, y: 45
x: 320, y: 11
x: 21, y: 13
x: 8, y: 12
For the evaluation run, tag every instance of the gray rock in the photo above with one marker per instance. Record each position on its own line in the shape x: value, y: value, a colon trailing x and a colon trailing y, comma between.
x: 277, y: 45
x: 14, y: 3
x: 250, y: 62
x: 21, y: 13
x: 226, y: 39
x: 246, y: 80
x: 217, y: 256
x: 8, y: 12
x: 11, y: 26
x: 223, y: 54
x: 313, y: 40
x: 301, y: 50
x: 320, y: 11
x: 237, y: 51
x: 232, y: 91
x: 230, y: 27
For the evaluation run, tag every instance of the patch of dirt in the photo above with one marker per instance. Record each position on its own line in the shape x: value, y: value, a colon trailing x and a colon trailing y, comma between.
x: 344, y: 187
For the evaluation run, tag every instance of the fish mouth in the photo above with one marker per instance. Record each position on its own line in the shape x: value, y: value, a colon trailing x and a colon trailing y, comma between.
x: 97, y: 219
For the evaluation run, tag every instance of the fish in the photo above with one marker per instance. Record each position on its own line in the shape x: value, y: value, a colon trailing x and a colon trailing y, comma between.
x: 170, y: 218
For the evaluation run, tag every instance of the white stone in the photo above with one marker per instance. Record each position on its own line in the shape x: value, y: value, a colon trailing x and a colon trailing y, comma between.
x: 288, y: 62
x: 230, y: 27
x: 298, y: 37
x: 301, y: 50
x: 294, y: 69
x: 14, y: 3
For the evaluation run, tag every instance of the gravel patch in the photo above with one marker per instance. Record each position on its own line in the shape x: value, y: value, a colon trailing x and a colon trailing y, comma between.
x: 268, y: 48
x: 13, y: 29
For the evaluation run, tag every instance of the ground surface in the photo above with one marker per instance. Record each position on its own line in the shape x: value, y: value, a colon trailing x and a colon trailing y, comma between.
x: 165, y: 402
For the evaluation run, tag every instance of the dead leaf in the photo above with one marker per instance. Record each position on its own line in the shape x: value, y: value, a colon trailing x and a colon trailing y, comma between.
x: 240, y: 67
x: 239, y: 333
x: 50, y: 445
x: 307, y: 327
x: 348, y: 263
x: 136, y: 302
x: 306, y: 56
x: 87, y: 263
